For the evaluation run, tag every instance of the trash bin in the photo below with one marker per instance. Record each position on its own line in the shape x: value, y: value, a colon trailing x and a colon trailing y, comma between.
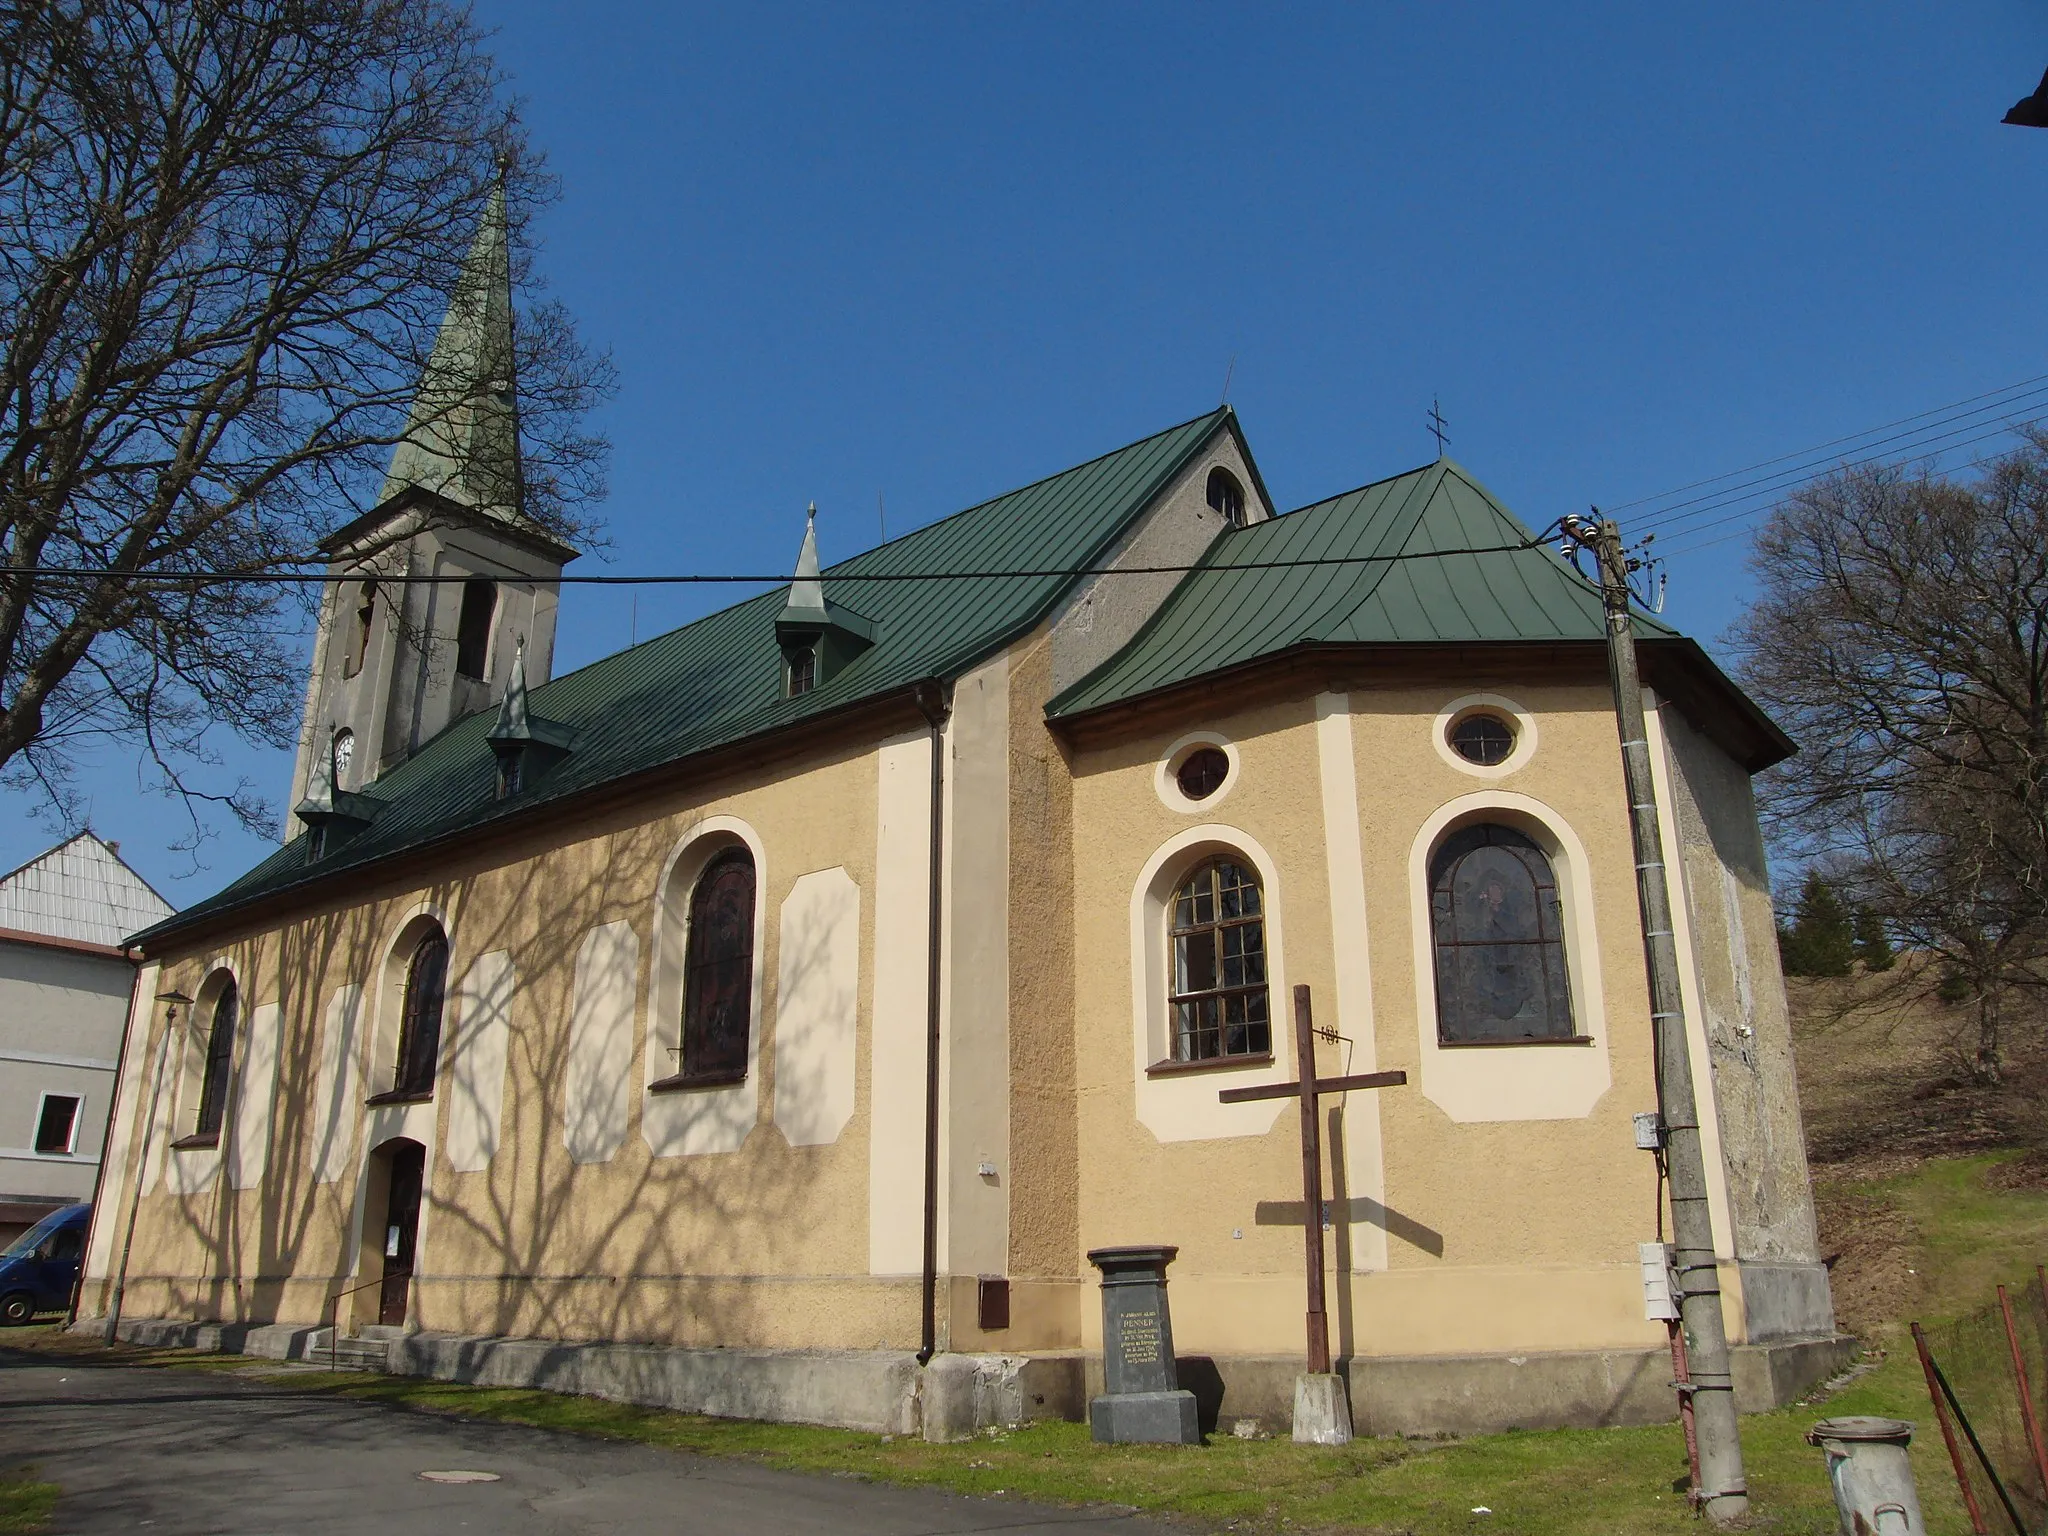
x: 1871, y: 1473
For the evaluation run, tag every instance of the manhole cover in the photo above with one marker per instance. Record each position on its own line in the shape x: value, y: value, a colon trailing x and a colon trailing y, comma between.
x: 459, y: 1477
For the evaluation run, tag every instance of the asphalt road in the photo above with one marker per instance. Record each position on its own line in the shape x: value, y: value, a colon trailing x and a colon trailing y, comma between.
x: 190, y: 1452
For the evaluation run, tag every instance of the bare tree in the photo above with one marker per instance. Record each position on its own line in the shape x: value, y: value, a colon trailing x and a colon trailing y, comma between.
x: 1901, y: 635
x: 228, y: 230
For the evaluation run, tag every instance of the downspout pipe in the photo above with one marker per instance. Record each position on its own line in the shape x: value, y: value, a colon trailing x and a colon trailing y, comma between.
x: 934, y: 700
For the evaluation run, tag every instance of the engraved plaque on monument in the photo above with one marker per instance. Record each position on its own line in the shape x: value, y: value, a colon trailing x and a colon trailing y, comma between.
x: 1141, y: 1400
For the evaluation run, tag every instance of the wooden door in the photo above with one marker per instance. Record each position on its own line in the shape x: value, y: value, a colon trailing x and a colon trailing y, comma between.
x: 401, y: 1230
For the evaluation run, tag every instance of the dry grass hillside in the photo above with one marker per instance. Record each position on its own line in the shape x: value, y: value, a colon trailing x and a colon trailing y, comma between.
x: 1896, y: 1122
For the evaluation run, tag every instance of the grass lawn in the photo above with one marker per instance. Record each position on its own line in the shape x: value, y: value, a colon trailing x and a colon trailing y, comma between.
x: 25, y: 1504
x: 1581, y: 1482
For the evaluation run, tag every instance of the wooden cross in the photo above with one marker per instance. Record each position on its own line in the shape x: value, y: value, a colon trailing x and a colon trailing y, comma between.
x: 1308, y: 1089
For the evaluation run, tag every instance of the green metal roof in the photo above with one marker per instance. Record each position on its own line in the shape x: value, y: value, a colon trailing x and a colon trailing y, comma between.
x: 718, y: 681
x: 1242, y: 603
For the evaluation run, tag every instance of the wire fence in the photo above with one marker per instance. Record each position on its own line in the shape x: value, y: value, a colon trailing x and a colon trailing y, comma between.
x: 1988, y: 1376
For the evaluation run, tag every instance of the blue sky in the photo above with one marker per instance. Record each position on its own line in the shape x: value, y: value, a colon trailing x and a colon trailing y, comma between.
x: 932, y: 253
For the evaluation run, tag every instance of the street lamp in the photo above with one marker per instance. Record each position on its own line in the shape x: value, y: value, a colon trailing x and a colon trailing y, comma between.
x: 2031, y: 111
x: 172, y: 1000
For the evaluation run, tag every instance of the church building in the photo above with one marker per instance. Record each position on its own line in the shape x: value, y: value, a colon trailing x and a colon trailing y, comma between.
x: 768, y: 1019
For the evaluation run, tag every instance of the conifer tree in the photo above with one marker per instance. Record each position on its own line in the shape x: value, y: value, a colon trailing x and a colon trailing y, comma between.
x: 1873, y: 944
x: 1822, y: 938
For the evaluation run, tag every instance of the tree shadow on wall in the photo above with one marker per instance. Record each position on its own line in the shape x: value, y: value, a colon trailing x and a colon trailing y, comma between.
x: 633, y: 1248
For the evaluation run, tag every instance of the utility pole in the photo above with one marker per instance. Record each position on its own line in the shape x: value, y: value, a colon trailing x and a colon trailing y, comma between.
x: 1724, y: 1493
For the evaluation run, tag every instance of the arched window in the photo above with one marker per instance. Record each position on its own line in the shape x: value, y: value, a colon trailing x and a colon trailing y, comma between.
x: 718, y: 969
x: 1226, y: 496
x: 1498, y: 930
x: 419, y: 1026
x: 359, y: 641
x: 220, y: 1050
x: 473, y: 628
x: 1217, y: 1005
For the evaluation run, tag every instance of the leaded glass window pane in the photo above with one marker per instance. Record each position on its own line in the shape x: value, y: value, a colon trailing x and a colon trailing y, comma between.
x: 1218, y: 1005
x: 419, y: 1036
x: 1498, y: 929
x: 220, y: 1048
x: 718, y: 991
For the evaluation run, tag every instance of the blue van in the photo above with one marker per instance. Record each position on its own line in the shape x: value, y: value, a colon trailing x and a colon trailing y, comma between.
x: 39, y: 1268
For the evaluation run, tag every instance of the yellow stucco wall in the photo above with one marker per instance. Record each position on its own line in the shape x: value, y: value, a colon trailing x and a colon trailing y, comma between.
x: 1514, y: 1194
x: 1494, y: 1203
x: 764, y: 1245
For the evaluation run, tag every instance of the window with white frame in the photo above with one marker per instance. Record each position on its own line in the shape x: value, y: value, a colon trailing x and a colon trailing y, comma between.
x: 57, y: 1124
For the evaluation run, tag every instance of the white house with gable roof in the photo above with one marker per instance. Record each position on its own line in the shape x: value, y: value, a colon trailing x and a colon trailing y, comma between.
x: 65, y: 977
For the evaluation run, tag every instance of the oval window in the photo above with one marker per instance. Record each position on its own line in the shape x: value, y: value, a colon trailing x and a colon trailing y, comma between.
x: 1485, y: 739
x: 1202, y: 773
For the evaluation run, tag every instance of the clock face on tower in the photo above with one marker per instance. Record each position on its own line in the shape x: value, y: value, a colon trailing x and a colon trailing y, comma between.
x: 344, y: 754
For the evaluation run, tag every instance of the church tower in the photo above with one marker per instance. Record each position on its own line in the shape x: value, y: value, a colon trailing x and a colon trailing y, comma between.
x: 396, y: 662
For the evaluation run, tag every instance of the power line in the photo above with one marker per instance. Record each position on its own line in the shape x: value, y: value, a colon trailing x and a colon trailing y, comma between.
x: 1691, y: 548
x: 2024, y: 384
x: 319, y: 578
x: 1686, y: 527
x: 1905, y: 444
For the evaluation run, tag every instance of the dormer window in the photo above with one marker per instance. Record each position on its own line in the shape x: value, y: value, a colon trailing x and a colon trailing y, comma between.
x: 473, y: 628
x: 1226, y: 496
x: 803, y: 670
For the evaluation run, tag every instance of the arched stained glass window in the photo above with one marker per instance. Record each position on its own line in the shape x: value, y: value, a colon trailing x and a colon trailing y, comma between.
x: 718, y: 969
x: 419, y: 1030
x: 220, y: 1050
x: 1499, y: 936
x: 1218, y: 1003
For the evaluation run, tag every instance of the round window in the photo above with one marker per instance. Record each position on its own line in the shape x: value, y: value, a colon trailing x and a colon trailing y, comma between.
x: 1485, y: 739
x: 1202, y: 773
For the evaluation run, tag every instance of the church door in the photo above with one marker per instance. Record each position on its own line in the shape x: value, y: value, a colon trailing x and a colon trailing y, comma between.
x: 401, y: 1229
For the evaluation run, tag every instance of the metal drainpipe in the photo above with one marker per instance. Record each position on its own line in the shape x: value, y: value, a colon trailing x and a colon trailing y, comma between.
x: 932, y: 700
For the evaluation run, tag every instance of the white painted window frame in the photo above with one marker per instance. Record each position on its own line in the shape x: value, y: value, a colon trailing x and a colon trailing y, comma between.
x: 77, y: 1115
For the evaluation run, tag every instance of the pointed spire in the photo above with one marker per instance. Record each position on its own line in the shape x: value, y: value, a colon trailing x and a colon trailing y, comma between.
x: 462, y: 438
x: 807, y: 591
x: 513, y: 722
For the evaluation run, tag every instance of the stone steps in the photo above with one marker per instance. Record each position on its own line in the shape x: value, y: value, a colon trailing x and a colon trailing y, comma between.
x: 354, y: 1354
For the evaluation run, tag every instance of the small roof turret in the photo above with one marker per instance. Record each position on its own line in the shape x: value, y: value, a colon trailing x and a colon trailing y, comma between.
x: 525, y: 745
x: 818, y: 637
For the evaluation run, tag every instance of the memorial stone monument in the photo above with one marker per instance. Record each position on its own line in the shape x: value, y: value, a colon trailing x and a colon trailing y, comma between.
x: 1141, y: 1402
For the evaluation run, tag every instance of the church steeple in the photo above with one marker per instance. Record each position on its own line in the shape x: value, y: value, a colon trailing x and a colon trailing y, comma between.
x: 397, y: 662
x: 462, y: 439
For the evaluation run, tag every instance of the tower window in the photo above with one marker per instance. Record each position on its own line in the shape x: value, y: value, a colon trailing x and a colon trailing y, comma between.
x: 359, y: 636
x: 473, y: 629
x: 1226, y: 496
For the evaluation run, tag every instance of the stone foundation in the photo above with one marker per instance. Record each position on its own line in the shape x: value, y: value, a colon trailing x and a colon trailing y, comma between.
x: 885, y: 1391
